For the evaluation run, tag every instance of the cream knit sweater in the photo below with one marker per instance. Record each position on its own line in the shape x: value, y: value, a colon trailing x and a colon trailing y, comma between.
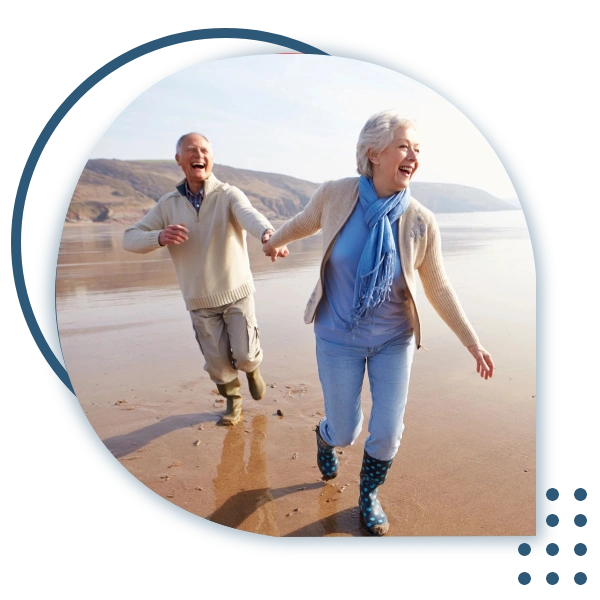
x: 212, y: 266
x: 419, y: 246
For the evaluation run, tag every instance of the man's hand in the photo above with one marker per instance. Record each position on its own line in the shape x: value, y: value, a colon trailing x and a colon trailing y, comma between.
x: 269, y: 250
x: 267, y: 235
x: 173, y: 234
x: 274, y: 252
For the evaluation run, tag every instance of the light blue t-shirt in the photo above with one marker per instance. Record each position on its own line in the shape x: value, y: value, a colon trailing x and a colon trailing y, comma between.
x: 389, y: 319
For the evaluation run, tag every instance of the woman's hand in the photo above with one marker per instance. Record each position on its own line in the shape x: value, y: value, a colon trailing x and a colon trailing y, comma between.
x: 485, y: 364
x: 274, y: 252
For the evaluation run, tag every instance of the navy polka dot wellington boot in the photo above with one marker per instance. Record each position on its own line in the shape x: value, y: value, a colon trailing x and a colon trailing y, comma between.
x: 372, y: 475
x: 327, y: 459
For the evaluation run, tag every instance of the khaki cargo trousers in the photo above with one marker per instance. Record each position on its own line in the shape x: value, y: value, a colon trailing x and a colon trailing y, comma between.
x: 228, y: 337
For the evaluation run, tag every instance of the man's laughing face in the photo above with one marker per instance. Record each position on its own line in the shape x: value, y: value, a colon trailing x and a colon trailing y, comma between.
x: 196, y: 160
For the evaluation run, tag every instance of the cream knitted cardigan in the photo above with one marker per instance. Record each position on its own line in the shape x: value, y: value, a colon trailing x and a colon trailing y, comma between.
x: 419, y: 244
x: 212, y: 266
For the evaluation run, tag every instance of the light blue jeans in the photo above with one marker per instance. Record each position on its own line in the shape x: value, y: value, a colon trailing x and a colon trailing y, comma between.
x: 342, y: 370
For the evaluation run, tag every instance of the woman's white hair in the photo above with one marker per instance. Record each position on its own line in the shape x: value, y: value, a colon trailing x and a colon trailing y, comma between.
x: 376, y: 135
x: 180, y: 140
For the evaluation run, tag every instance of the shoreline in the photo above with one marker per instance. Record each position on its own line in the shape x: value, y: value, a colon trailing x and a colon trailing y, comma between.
x: 281, y: 220
x: 466, y: 464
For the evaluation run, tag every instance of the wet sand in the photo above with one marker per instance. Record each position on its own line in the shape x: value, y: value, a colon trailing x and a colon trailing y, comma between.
x: 466, y: 465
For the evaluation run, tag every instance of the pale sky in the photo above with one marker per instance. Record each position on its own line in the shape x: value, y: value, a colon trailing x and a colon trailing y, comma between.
x: 300, y: 115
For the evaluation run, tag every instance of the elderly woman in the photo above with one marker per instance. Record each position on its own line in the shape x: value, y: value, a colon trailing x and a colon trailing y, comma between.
x: 375, y: 237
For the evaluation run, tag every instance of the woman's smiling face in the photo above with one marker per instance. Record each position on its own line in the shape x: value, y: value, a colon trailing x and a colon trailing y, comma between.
x: 395, y: 165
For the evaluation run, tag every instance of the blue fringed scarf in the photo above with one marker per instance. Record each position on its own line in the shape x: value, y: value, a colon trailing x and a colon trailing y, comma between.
x: 378, y: 259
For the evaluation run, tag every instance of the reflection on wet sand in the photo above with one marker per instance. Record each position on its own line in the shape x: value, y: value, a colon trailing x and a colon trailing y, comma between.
x: 243, y: 496
x: 343, y: 521
x: 251, y: 508
x: 331, y: 520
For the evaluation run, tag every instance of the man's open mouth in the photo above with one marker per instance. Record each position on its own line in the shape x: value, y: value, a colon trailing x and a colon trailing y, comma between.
x: 198, y: 165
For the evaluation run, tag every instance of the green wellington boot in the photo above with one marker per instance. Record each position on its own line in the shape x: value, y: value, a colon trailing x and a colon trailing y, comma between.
x: 256, y: 384
x: 231, y: 392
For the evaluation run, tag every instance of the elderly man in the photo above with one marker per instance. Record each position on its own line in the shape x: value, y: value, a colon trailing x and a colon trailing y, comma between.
x: 203, y: 222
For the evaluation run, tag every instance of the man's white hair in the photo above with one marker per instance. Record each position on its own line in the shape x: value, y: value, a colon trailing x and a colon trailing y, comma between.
x: 180, y: 140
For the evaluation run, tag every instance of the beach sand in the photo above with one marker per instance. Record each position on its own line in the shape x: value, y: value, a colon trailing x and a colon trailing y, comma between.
x: 466, y: 465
